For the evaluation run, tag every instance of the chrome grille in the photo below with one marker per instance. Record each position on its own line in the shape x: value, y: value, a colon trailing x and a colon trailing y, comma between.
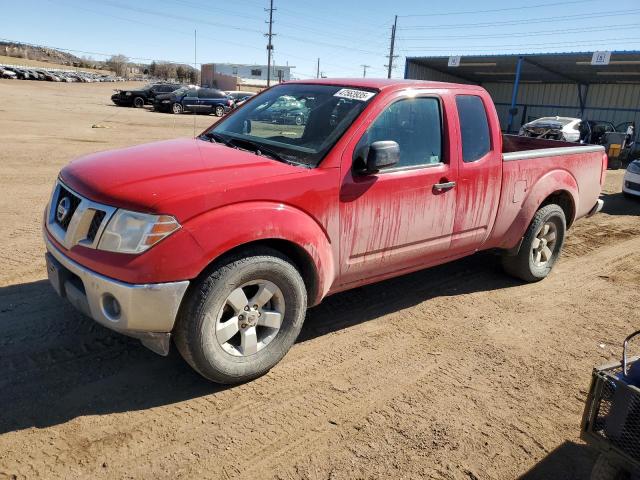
x: 75, y: 220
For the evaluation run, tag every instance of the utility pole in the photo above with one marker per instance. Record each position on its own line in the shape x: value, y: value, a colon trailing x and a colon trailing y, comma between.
x: 364, y: 72
x: 391, y: 47
x: 318, y: 69
x: 269, y: 44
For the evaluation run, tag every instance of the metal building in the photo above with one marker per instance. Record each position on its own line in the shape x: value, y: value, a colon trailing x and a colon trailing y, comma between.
x: 587, y: 85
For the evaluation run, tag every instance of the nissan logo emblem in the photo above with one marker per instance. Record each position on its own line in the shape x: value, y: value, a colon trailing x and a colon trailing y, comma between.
x: 63, y: 209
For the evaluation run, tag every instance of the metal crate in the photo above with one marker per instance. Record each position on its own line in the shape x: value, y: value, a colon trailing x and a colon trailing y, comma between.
x: 611, y: 420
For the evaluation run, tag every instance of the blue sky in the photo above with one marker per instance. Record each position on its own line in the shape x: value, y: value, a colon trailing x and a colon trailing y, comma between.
x: 345, y: 35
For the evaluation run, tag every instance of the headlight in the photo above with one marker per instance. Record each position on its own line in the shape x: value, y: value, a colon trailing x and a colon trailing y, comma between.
x: 634, y: 167
x: 128, y: 93
x: 133, y: 232
x: 166, y: 101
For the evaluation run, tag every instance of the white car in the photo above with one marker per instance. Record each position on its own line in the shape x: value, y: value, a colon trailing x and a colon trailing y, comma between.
x: 631, y: 182
x: 555, y: 128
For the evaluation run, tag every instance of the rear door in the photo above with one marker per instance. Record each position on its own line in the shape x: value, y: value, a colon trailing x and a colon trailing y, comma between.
x: 479, y: 172
x: 209, y: 98
x: 400, y: 218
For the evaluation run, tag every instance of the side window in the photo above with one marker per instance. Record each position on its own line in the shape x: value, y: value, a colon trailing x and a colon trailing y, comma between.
x: 416, y: 125
x: 474, y: 126
x: 205, y: 93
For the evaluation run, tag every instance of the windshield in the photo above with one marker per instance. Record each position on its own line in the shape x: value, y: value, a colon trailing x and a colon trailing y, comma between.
x: 180, y: 91
x: 299, y: 123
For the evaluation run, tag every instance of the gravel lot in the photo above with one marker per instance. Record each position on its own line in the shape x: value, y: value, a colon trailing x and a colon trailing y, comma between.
x: 456, y: 372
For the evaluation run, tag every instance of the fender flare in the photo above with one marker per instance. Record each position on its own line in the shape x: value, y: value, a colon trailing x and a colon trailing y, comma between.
x: 553, y: 182
x: 223, y: 229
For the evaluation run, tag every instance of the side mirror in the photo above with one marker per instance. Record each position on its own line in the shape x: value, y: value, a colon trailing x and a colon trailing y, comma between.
x: 379, y: 155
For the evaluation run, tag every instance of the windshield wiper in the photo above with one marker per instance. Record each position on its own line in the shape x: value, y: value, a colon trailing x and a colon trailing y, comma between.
x: 217, y: 138
x: 255, y: 147
x: 261, y: 151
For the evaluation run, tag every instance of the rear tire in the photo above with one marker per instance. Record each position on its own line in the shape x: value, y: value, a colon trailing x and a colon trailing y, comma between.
x: 218, y: 111
x: 138, y: 102
x: 540, y: 246
x: 227, y: 331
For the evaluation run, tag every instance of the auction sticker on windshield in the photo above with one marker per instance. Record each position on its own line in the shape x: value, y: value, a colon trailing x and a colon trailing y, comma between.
x: 361, y: 95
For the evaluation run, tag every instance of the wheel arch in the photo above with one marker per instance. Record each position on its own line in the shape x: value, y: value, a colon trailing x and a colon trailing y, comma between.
x: 557, y: 186
x: 564, y: 200
x: 300, y: 258
x: 229, y: 230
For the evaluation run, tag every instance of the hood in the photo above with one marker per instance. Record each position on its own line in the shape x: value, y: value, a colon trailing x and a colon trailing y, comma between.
x: 181, y: 177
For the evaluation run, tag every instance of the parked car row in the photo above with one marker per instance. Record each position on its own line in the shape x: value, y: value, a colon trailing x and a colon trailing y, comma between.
x: 176, y: 98
x: 28, y: 73
x: 142, y: 96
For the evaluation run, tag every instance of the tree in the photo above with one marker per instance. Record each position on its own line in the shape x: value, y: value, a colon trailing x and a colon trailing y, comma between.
x: 181, y: 73
x: 152, y: 69
x: 192, y: 75
x: 118, y: 64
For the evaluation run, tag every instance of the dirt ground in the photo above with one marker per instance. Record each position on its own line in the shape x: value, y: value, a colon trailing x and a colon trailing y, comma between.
x: 457, y: 372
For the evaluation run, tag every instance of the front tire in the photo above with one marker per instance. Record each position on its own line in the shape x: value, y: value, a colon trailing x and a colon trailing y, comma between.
x: 138, y: 102
x: 177, y: 108
x: 243, y: 317
x: 540, y: 246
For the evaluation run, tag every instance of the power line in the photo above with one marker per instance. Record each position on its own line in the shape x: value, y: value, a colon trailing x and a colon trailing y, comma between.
x: 519, y: 22
x: 525, y: 45
x: 364, y: 71
x: 493, y: 10
x: 102, y: 54
x: 205, y: 22
x: 529, y: 34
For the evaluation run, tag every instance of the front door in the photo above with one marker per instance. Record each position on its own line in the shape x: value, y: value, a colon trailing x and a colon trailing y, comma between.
x: 402, y: 217
x: 190, y: 101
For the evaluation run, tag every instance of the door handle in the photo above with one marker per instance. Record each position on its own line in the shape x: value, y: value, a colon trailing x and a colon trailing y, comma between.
x: 444, y: 186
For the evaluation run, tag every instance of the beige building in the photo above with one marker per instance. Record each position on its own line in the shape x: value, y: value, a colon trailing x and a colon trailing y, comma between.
x: 251, y: 78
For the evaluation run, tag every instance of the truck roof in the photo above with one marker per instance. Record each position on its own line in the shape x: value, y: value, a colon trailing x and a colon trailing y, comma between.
x: 383, y: 83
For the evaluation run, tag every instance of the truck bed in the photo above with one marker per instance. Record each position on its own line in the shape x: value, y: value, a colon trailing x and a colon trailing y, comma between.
x: 532, y: 166
x: 515, y: 147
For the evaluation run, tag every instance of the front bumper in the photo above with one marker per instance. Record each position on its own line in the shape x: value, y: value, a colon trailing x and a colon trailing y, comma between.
x: 631, y: 183
x: 144, y: 311
x: 161, y: 107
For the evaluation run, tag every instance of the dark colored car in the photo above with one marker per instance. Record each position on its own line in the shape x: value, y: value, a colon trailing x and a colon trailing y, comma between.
x: 286, y: 111
x: 196, y: 100
x: 239, y: 98
x: 140, y: 98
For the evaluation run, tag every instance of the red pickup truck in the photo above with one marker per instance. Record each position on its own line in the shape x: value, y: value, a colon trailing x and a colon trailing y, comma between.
x: 310, y: 188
